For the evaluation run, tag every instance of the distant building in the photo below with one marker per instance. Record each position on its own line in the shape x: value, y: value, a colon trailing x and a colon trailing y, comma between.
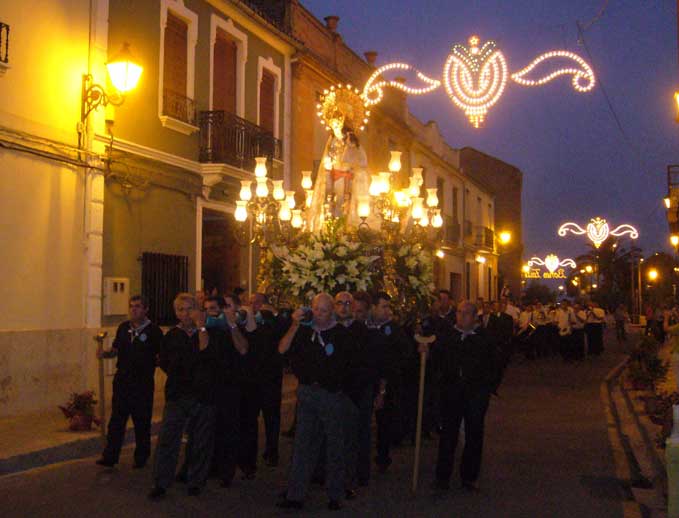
x: 506, y: 182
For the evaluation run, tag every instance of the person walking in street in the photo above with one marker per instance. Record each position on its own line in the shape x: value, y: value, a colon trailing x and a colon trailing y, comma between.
x: 320, y: 354
x: 621, y: 317
x: 191, y: 356
x: 136, y: 345
x: 594, y: 329
x: 468, y: 373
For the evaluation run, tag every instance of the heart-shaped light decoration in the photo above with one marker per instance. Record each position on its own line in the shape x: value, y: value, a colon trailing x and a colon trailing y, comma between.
x: 475, y: 78
x: 552, y: 263
x: 597, y: 231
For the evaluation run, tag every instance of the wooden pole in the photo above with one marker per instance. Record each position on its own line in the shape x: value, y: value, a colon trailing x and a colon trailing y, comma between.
x: 99, y: 338
x: 418, y: 430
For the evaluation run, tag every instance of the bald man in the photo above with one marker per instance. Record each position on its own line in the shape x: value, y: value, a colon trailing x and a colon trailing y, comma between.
x: 469, y: 372
x: 320, y: 355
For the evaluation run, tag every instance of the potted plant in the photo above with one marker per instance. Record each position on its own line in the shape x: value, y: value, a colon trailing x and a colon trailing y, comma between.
x: 79, y: 410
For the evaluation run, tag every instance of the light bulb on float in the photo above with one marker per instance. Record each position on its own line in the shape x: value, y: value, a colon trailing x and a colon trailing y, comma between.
x: 246, y: 190
x: 424, y: 220
x: 327, y: 163
x: 306, y: 180
x: 385, y: 178
x: 284, y: 214
x: 414, y: 188
x: 395, y: 161
x: 374, y: 189
x: 262, y: 189
x: 260, y: 168
x: 296, y: 220
x: 432, y: 197
x: 363, y: 206
x: 417, y: 175
x: 437, y: 219
x: 241, y: 212
x: 290, y: 199
x: 278, y: 191
x: 402, y: 199
x: 417, y: 211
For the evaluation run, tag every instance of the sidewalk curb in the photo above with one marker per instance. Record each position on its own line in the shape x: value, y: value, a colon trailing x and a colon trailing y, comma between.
x: 627, y: 469
x: 84, y: 448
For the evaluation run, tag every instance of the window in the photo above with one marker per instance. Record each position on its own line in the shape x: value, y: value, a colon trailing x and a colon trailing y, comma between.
x: 268, y: 95
x: 162, y: 277
x: 228, y: 57
x: 178, y: 36
x: 455, y: 202
x: 441, y: 193
x: 267, y: 101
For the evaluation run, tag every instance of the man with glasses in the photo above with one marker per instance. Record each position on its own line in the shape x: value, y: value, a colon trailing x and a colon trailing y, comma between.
x: 468, y: 374
x: 136, y: 344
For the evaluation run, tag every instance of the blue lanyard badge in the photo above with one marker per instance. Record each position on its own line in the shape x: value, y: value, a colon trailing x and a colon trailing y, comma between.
x: 328, y: 348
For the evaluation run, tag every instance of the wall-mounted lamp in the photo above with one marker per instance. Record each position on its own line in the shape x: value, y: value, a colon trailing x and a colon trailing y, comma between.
x: 124, y: 73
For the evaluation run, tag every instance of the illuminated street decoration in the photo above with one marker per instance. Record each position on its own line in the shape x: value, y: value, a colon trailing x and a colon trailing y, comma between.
x: 555, y: 267
x: 341, y: 106
x: 598, y: 230
x: 475, y: 77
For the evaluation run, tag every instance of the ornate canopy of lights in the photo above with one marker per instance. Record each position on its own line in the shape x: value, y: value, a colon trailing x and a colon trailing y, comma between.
x: 274, y: 217
x: 598, y: 230
x: 475, y: 77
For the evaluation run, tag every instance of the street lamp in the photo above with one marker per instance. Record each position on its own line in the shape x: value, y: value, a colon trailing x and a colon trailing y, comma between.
x: 674, y: 240
x: 652, y: 274
x: 668, y: 202
x: 505, y: 237
x: 588, y: 268
x: 124, y: 73
x: 676, y: 100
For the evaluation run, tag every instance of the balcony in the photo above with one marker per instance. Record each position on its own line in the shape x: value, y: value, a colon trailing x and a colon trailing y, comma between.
x: 227, y: 139
x: 276, y: 12
x: 179, y: 112
x: 484, y: 238
x: 452, y: 231
x: 468, y: 228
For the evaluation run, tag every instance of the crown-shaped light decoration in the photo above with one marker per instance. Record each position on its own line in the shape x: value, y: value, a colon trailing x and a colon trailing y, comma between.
x: 598, y: 230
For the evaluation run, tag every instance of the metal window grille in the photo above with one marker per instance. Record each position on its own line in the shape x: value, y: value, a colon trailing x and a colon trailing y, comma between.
x: 162, y: 277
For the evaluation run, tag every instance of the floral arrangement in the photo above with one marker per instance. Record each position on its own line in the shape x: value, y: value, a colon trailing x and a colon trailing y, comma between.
x: 79, y: 410
x: 328, y: 261
x: 336, y: 259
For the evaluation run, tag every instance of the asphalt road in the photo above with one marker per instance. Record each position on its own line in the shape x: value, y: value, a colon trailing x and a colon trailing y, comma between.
x: 547, y: 455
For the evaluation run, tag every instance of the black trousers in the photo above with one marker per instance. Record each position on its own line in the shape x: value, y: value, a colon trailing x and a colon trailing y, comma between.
x: 388, y: 420
x: 595, y: 338
x: 578, y: 344
x: 227, y: 433
x: 458, y: 405
x: 199, y: 421
x: 135, y: 400
x: 264, y: 397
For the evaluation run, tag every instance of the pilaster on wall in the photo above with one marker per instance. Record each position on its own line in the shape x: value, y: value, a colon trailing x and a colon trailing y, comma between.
x: 94, y: 239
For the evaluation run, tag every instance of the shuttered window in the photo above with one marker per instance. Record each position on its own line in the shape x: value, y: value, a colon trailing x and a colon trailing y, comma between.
x: 224, y: 73
x: 175, y: 54
x: 267, y: 97
x: 162, y: 277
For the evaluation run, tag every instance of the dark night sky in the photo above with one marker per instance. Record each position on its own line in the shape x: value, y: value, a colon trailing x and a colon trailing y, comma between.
x: 576, y: 162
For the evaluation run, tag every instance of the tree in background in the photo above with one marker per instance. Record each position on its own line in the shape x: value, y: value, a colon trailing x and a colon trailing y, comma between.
x: 540, y: 292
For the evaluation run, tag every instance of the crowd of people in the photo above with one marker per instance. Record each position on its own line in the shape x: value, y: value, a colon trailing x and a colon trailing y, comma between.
x: 353, y: 359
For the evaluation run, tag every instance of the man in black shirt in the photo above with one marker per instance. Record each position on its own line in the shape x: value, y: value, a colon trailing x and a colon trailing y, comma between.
x: 468, y: 373
x: 261, y: 388
x: 136, y: 344
x: 388, y: 403
x: 500, y: 327
x: 196, y: 361
x: 320, y: 356
x: 366, y: 381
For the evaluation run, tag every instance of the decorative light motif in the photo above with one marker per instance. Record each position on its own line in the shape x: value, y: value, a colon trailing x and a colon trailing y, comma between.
x: 551, y: 262
x: 342, y: 106
x: 583, y: 79
x: 475, y: 77
x: 598, y: 230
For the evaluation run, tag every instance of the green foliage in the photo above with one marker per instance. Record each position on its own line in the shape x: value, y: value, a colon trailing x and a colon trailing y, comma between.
x: 540, y: 292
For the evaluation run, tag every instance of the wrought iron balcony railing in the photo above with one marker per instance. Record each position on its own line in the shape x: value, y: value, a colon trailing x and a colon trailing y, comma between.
x: 226, y: 138
x: 468, y: 228
x: 276, y: 12
x: 4, y: 43
x: 485, y: 238
x: 179, y: 107
x: 452, y: 231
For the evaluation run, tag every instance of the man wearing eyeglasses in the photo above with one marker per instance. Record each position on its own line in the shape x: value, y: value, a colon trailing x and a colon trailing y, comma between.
x: 365, y: 387
x: 136, y: 344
